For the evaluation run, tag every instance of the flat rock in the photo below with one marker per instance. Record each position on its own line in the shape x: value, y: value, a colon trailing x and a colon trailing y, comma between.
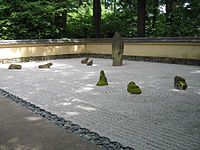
x: 15, y: 66
x: 48, y: 65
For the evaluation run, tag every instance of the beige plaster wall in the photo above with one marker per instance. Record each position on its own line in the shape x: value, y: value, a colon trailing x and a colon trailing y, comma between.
x: 99, y: 48
x: 173, y: 50
x: 16, y: 51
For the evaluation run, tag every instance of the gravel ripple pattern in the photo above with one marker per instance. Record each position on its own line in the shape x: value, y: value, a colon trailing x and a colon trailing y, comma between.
x: 159, y: 118
x: 93, y: 137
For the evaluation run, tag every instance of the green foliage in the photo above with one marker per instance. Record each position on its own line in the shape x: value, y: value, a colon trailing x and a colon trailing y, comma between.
x: 118, y: 22
x: 80, y: 24
x: 45, y: 19
x: 31, y: 20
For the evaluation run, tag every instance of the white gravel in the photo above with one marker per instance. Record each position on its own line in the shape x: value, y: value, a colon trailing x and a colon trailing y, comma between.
x: 159, y: 118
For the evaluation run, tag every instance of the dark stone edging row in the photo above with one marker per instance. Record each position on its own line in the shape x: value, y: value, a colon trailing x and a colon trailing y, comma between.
x: 93, y: 137
x: 167, y: 60
x: 102, y: 40
x: 39, y: 58
x: 195, y: 62
x: 182, y: 61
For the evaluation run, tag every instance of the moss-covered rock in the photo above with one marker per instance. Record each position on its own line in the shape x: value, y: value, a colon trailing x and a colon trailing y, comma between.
x: 180, y: 83
x: 102, y: 79
x: 133, y: 88
x: 15, y: 66
x: 84, y: 61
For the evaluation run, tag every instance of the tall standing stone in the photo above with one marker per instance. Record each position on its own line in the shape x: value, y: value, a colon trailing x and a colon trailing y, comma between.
x: 117, y: 49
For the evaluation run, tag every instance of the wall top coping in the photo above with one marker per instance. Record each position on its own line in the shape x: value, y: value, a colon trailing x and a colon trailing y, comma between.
x: 105, y: 40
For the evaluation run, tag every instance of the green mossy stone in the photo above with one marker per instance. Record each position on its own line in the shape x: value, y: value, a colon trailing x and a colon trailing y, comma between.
x: 102, y: 83
x: 102, y: 80
x: 183, y: 85
x: 132, y: 85
x: 133, y: 88
x: 134, y: 91
x: 180, y: 83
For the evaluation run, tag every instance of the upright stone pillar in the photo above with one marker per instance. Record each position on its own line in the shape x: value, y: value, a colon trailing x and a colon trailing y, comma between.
x: 117, y: 49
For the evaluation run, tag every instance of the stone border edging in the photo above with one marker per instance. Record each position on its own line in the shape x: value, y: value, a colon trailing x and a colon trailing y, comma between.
x: 103, y: 40
x: 93, y: 137
x: 182, y: 61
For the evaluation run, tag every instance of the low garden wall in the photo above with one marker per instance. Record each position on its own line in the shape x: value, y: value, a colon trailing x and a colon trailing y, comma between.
x: 167, y: 50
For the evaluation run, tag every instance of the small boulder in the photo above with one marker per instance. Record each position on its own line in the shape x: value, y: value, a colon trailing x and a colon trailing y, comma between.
x: 84, y: 61
x: 15, y: 66
x: 180, y: 83
x: 133, y: 88
x: 90, y: 63
x: 102, y: 79
x: 45, y: 65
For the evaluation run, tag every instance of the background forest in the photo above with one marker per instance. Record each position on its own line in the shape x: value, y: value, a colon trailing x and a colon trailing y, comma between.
x: 58, y: 19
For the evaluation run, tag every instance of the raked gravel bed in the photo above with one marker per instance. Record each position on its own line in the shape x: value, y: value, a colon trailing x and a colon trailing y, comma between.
x: 159, y: 118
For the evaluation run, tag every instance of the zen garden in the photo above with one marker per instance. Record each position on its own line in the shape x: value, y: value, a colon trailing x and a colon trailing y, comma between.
x: 101, y: 74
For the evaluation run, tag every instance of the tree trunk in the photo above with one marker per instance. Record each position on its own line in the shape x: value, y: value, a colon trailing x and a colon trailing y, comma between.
x: 141, y: 18
x: 97, y: 17
x: 169, y: 9
x: 80, y: 3
x: 114, y: 6
x: 169, y: 17
x: 155, y: 13
x: 60, y: 19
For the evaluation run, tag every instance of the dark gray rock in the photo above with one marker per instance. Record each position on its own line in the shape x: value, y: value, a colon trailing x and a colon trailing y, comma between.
x: 84, y: 61
x: 48, y: 65
x: 180, y: 83
x: 90, y: 63
x: 15, y: 66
